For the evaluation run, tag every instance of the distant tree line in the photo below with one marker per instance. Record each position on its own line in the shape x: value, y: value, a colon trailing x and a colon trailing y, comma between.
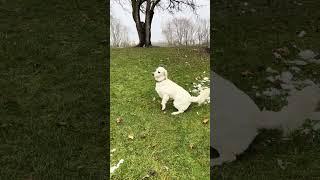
x: 177, y: 32
x: 118, y: 34
x: 187, y: 32
x: 151, y: 8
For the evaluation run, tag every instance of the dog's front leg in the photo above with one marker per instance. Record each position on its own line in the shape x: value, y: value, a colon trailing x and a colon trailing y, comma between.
x: 165, y: 99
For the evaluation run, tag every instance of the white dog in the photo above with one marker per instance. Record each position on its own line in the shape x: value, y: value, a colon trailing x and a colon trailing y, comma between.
x: 237, y: 118
x: 167, y: 89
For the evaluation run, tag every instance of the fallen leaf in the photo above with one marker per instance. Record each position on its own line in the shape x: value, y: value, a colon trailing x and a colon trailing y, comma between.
x: 130, y: 136
x: 146, y: 176
x: 119, y: 120
x: 284, y: 51
x: 166, y: 168
x: 191, y: 145
x: 143, y: 135
x: 205, y: 121
x: 153, y: 145
x: 277, y: 55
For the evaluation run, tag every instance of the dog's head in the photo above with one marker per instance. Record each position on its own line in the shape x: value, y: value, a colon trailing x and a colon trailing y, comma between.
x: 160, y: 74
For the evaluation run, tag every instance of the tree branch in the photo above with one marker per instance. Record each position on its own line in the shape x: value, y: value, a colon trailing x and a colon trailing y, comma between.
x: 154, y: 4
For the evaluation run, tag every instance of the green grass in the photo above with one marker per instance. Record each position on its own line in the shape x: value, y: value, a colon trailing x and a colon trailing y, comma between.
x: 52, y: 90
x: 160, y: 139
x: 245, y: 42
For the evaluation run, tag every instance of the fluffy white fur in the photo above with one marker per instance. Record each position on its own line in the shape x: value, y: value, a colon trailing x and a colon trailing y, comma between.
x: 236, y: 118
x: 167, y: 89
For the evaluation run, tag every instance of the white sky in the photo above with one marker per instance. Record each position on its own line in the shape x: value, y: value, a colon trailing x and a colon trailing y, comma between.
x: 160, y: 17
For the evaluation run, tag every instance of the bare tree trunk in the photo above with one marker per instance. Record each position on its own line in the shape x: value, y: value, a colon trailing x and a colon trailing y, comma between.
x: 141, y: 34
x: 144, y: 28
x: 148, y: 24
x: 149, y: 17
x: 139, y: 25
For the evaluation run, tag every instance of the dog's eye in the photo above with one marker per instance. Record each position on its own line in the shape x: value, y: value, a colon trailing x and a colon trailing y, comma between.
x: 158, y: 71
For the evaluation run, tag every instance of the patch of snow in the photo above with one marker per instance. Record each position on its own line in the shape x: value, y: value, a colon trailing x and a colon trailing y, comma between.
x: 301, y: 34
x: 281, y: 164
x: 307, y: 54
x: 298, y: 62
x: 271, y: 79
x: 305, y: 131
x: 316, y: 127
x: 315, y: 61
x: 295, y: 69
x: 206, y: 79
x: 195, y: 90
x: 113, y: 168
x: 271, y: 92
x: 277, y: 55
x: 270, y: 70
x: 286, y: 77
x: 287, y: 86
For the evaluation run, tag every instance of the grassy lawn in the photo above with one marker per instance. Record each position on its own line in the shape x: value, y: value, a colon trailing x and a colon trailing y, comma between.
x: 244, y: 42
x: 52, y: 90
x: 162, y: 146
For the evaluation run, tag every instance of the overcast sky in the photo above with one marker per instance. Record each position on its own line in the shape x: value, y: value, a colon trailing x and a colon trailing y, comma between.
x: 160, y: 17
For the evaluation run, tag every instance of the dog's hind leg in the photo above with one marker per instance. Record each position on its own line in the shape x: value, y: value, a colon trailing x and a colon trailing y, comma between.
x: 181, y: 106
x: 164, y: 101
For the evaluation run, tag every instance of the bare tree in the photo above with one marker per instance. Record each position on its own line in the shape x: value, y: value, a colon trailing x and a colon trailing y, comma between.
x: 118, y: 33
x: 180, y: 31
x: 203, y: 31
x: 147, y: 7
x: 168, y: 32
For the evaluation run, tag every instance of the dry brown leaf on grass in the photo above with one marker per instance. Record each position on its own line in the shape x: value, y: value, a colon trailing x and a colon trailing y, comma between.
x: 119, y: 120
x: 191, y: 145
x: 154, y: 145
x: 166, y: 168
x: 205, y: 121
x: 143, y: 135
x: 277, y: 55
x: 284, y: 51
x: 130, y: 136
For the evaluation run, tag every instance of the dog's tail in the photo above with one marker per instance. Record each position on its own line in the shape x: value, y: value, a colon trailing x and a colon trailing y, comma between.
x: 203, y: 96
x: 301, y: 105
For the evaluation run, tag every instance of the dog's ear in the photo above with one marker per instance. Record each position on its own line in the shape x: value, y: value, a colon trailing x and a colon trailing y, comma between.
x: 166, y: 74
